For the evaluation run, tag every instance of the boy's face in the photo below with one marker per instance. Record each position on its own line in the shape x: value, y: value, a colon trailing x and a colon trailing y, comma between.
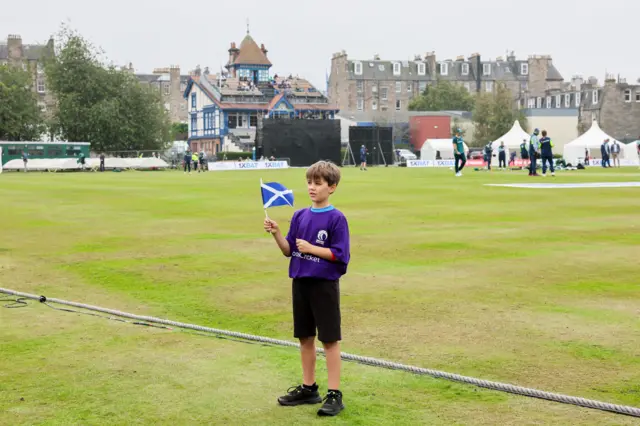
x: 319, y: 190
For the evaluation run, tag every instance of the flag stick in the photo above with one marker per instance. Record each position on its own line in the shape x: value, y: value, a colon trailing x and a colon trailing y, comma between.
x: 266, y: 215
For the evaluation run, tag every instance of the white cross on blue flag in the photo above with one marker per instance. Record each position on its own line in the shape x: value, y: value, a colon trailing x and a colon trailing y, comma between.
x: 275, y: 194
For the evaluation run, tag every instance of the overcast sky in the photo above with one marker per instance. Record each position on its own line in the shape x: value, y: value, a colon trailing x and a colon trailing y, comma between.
x: 588, y: 38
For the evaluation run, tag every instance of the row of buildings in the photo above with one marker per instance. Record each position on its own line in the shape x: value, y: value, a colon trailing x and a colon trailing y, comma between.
x: 224, y: 109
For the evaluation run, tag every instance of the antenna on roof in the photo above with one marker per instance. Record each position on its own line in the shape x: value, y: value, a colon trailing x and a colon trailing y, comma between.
x: 247, y: 25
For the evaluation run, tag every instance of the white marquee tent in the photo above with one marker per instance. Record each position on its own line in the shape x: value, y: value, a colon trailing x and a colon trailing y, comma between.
x: 631, y: 152
x: 445, y: 146
x: 55, y: 164
x: 591, y: 140
x: 512, y: 139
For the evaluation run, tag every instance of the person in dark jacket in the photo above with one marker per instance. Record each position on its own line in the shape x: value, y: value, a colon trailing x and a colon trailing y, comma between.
x: 488, y: 154
x: 187, y: 161
x: 502, y: 156
x: 604, y: 151
x: 546, y: 152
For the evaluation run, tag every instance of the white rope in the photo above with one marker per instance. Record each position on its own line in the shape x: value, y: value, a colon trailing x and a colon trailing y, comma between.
x: 582, y: 402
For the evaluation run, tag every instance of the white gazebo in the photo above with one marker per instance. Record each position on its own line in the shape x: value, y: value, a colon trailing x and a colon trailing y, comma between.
x: 512, y: 139
x: 590, y: 140
x: 630, y: 151
x: 445, y: 146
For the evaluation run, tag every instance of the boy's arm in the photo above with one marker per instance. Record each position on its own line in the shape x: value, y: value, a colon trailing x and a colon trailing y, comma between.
x: 283, y: 244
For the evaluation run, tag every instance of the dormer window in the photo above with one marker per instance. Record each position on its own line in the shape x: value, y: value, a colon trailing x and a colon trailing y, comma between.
x: 193, y: 101
x: 357, y: 68
x: 524, y: 69
x: 465, y: 69
x: 396, y: 68
x: 539, y: 102
x: 595, y: 97
x: 444, y: 68
x: 558, y: 101
x: 548, y: 101
x: 422, y: 68
x: 567, y: 100
x: 486, y: 69
x: 627, y: 95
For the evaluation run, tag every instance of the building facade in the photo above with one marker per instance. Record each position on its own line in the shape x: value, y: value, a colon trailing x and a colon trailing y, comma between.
x: 614, y: 105
x: 30, y: 57
x: 171, y: 85
x: 225, y: 110
x: 382, y: 89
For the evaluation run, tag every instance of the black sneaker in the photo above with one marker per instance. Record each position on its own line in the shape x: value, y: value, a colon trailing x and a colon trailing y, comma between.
x: 300, y: 395
x: 332, y: 404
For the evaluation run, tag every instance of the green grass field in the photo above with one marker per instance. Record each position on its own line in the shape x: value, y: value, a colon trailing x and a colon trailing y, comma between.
x: 538, y: 288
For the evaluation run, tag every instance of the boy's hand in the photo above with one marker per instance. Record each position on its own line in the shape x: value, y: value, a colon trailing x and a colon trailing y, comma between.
x: 304, y: 247
x: 271, y: 226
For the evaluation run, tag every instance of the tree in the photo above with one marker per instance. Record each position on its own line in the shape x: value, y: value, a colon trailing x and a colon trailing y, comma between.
x: 20, y: 115
x: 102, y: 105
x: 444, y: 96
x: 179, y: 131
x: 494, y: 115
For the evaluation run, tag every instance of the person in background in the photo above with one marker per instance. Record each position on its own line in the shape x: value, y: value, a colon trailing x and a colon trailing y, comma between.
x: 458, y: 152
x: 488, y: 154
x: 502, y: 156
x: 81, y: 160
x: 202, y: 158
x: 363, y: 158
x: 546, y: 151
x: 586, y: 156
x: 615, y: 153
x: 534, y: 152
x: 25, y: 159
x: 102, y: 161
x: 604, y: 151
x: 524, y: 154
x: 194, y: 159
x: 187, y: 161
x: 512, y: 158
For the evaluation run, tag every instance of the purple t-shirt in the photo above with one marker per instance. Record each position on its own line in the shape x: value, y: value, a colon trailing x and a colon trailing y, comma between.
x: 327, y: 228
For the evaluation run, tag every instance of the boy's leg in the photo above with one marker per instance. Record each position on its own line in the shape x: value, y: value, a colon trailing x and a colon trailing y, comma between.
x: 308, y: 358
x: 332, y: 354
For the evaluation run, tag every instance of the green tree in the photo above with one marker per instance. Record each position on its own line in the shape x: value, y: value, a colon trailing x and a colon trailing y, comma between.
x: 443, y: 96
x: 102, y: 105
x: 494, y: 115
x: 179, y: 131
x: 20, y: 115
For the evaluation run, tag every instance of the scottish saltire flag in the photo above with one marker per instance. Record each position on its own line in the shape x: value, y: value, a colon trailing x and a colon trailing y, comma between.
x: 275, y: 194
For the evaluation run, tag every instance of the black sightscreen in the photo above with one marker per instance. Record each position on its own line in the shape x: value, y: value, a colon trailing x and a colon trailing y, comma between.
x: 303, y: 142
x: 374, y: 138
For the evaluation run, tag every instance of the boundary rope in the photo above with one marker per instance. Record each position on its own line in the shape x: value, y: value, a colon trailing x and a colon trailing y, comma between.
x: 503, y: 387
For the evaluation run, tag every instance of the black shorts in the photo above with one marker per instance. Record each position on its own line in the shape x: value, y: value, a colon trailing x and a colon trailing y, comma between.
x: 316, y: 304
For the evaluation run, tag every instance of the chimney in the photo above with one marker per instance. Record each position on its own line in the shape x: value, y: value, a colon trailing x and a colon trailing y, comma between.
x: 475, y: 61
x: 264, y: 49
x: 14, y: 46
x: 430, y: 59
x: 460, y: 58
x: 511, y: 57
x: 233, y: 53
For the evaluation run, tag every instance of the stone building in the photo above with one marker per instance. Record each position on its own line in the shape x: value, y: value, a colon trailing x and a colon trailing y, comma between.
x: 30, y: 57
x: 171, y: 85
x: 383, y: 89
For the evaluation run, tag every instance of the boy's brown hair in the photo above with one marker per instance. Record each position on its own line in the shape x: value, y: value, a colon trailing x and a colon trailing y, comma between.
x: 544, y: 133
x: 324, y: 170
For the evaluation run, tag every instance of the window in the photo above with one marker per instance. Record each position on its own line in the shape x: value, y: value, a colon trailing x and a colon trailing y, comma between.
x: 578, y: 98
x: 40, y: 85
x: 524, y: 69
x: 465, y: 69
x: 398, y: 105
x: 253, y: 120
x: 567, y: 100
x: 488, y: 86
x: 36, y: 151
x: 422, y: 68
x: 194, y: 124
x: 486, y: 69
x: 547, y: 102
x: 594, y: 96
x: 531, y: 103
x: 360, y: 104
x: 383, y: 93
x: 444, y: 68
x: 374, y: 105
x: 381, y: 67
x: 422, y: 86
x: 467, y: 86
x: 54, y: 151
x: 409, y: 87
x: 396, y: 68
x: 558, y: 101
x: 193, y: 101
x: 357, y: 68
x: 637, y: 95
x: 233, y: 121
x: 359, y: 86
x: 167, y: 88
x: 627, y: 95
x: 539, y: 102
x: 398, y: 86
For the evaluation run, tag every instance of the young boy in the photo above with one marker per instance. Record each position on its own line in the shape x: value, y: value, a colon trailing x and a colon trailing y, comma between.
x: 318, y: 245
